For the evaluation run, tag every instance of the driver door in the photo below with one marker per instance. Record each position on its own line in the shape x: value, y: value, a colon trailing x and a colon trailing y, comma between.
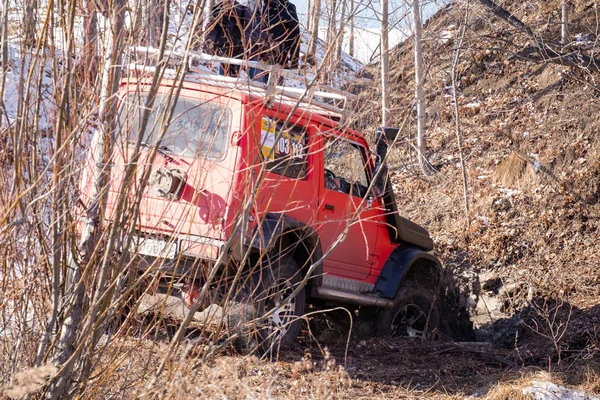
x: 344, y: 215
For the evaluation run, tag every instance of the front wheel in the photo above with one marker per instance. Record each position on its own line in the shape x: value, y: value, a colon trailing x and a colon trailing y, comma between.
x: 415, y: 313
x: 267, y: 316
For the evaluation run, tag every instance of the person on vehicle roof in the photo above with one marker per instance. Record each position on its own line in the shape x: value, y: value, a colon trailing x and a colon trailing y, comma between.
x: 274, y: 36
x: 229, y: 21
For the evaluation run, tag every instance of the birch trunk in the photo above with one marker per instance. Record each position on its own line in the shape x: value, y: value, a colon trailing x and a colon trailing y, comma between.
x: 315, y: 27
x: 385, y: 64
x: 564, y: 28
x: 419, y: 92
x: 341, y: 33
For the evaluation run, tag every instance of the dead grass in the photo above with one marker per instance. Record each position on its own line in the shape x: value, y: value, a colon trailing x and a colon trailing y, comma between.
x: 517, y: 172
x: 29, y: 382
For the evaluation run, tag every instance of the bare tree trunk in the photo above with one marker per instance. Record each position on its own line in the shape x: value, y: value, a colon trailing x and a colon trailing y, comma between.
x: 341, y: 33
x: 351, y: 36
x: 29, y: 23
x: 89, y: 60
x: 385, y: 63
x: 4, y: 54
x: 419, y: 92
x: 148, y: 17
x: 316, y: 16
x: 564, y: 28
x: 332, y: 25
x: 69, y: 351
x: 308, y: 15
x: 457, y: 121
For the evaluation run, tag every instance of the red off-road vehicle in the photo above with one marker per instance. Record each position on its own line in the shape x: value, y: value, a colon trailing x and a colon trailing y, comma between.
x: 255, y: 197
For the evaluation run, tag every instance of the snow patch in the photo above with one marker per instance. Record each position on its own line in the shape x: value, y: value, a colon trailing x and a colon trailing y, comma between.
x: 549, y: 391
x: 15, y: 90
x: 445, y: 36
x: 473, y: 104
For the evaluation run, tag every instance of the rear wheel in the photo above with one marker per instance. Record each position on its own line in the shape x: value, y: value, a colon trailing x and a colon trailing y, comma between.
x: 266, y: 314
x: 415, y: 313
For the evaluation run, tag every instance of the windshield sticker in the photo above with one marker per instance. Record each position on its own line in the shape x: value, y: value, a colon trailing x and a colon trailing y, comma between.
x: 267, y: 137
x: 290, y: 143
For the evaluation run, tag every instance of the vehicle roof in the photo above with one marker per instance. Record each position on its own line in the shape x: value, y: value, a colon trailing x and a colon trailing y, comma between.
x: 287, y: 99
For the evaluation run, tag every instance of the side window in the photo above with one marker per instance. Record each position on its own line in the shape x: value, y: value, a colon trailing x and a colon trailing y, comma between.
x: 284, y: 148
x: 344, y: 167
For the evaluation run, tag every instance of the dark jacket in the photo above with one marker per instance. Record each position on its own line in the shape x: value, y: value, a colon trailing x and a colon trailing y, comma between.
x: 226, y: 30
x: 276, y: 29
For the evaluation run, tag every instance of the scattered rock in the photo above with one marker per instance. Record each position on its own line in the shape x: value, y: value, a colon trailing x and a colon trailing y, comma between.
x: 490, y: 281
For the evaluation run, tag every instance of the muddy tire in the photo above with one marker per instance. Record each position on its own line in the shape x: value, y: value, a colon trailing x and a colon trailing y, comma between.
x: 416, y: 313
x: 263, y: 315
x: 456, y: 323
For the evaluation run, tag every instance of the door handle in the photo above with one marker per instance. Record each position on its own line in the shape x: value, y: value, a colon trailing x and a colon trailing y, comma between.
x: 329, y: 207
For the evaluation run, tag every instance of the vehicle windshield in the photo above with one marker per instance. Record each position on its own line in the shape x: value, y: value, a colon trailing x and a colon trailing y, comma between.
x: 197, y: 129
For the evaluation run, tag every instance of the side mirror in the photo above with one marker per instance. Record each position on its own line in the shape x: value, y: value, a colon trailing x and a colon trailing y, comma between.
x: 382, y: 138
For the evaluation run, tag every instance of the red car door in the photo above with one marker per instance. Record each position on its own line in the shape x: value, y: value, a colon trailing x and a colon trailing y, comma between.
x: 348, y: 223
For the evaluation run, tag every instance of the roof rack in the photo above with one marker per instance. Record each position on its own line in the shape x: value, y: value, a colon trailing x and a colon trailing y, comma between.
x: 314, y: 93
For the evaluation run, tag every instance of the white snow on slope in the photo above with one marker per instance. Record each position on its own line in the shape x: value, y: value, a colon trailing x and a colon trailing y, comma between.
x: 13, y: 88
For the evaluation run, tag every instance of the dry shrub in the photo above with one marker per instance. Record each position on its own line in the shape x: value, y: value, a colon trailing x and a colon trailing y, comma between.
x: 235, y: 377
x: 30, y: 381
x: 591, y: 381
x: 515, y: 390
x: 505, y: 391
x: 516, y: 171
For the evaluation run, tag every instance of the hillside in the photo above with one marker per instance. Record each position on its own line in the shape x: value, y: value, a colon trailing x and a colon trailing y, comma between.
x: 530, y: 139
x: 527, y: 261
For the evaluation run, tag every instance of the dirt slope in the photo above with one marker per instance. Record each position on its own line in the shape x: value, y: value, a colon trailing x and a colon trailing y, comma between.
x: 531, y: 255
x: 530, y: 140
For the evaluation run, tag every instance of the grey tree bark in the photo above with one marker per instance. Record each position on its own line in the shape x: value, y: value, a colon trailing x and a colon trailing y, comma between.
x: 332, y: 25
x: 564, y: 22
x: 385, y: 63
x: 457, y: 120
x: 4, y: 49
x: 351, y: 35
x: 29, y: 23
x: 341, y: 34
x: 316, y: 16
x: 419, y: 91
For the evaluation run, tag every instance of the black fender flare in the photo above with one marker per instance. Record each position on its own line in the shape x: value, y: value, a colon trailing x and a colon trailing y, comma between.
x: 273, y: 226
x: 396, y: 267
